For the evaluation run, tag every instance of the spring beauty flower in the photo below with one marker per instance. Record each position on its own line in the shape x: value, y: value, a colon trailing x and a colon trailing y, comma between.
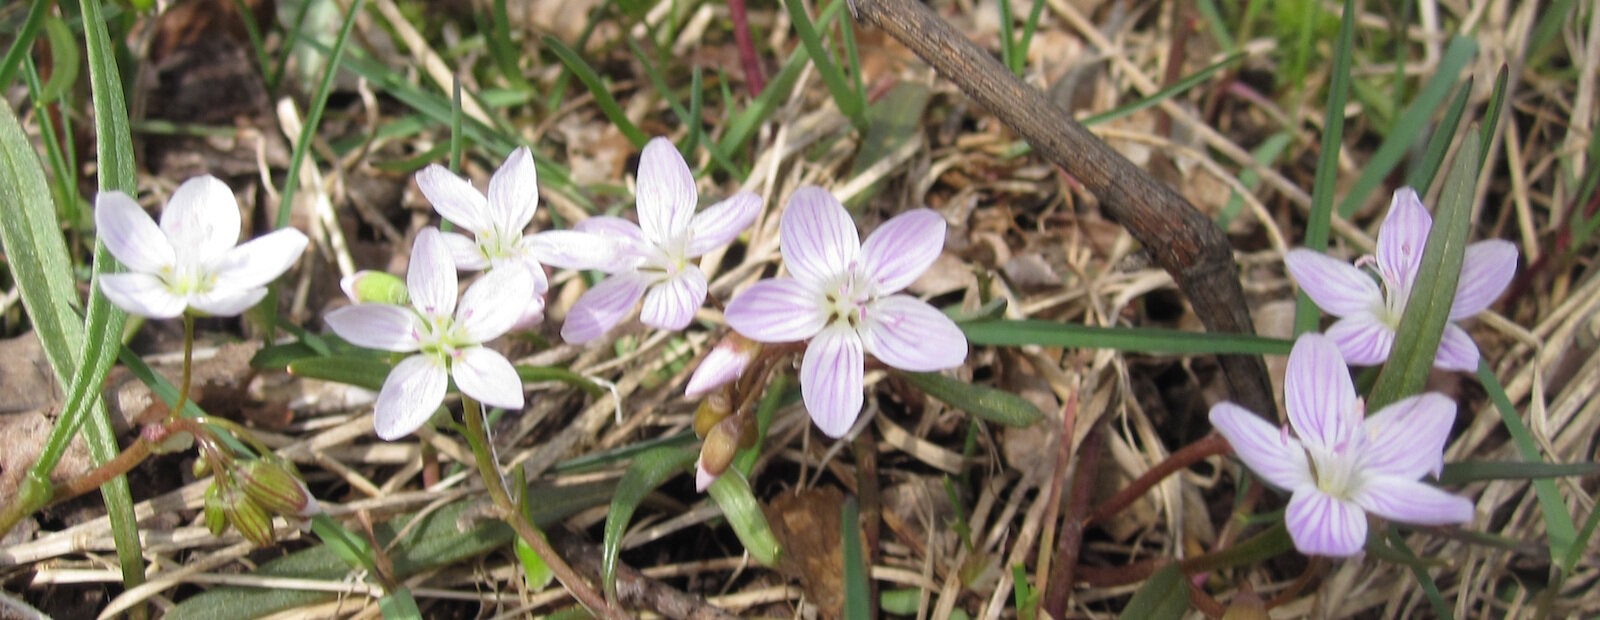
x: 722, y: 365
x: 1370, y: 308
x: 189, y: 262
x: 1339, y: 465
x: 447, y: 337
x: 841, y: 295
x: 498, y: 225
x: 652, y: 258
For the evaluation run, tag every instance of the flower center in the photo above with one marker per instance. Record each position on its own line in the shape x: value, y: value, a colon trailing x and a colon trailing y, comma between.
x: 1395, y: 291
x: 499, y: 244
x: 1335, y: 469
x: 847, y: 297
x: 440, y: 337
x: 187, y: 278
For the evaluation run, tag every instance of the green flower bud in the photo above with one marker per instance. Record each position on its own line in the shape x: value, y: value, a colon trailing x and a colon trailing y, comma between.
x: 248, y: 517
x: 277, y: 490
x: 216, y: 521
x: 714, y: 408
x: 375, y: 287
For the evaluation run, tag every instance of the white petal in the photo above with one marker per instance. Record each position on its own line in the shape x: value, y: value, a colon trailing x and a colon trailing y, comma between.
x: 514, y: 191
x: 1318, y: 393
x: 142, y: 294
x: 227, y: 301
x: 611, y: 226
x: 1486, y: 271
x: 1336, y: 286
x: 1322, y: 525
x: 1266, y: 449
x: 377, y: 326
x: 495, y: 302
x: 831, y: 379
x: 602, y: 307
x: 776, y: 310
x: 201, y: 219
x: 725, y: 363
x: 532, y: 315
x: 1402, y: 236
x: 907, y: 333
x: 578, y: 249
x: 667, y: 195
x: 1362, y: 339
x: 488, y: 377
x: 455, y: 199
x: 897, y: 253
x: 1406, y: 438
x: 413, y: 391
x: 671, y: 304
x: 431, y: 277
x: 464, y: 252
x: 261, y: 260
x: 1409, y: 501
x: 721, y: 223
x: 130, y: 234
x: 702, y: 477
x: 817, y: 237
x: 1456, y: 350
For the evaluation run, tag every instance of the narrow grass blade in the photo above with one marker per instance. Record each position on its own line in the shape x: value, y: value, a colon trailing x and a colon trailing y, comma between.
x: 24, y: 41
x: 313, y: 121
x: 893, y: 121
x: 504, y: 51
x: 358, y: 371
x: 647, y: 472
x: 1491, y: 122
x: 732, y: 494
x: 1434, y: 291
x: 399, y: 605
x: 1163, y: 596
x: 597, y: 87
x: 984, y: 402
x: 1558, y: 525
x: 857, y: 592
x: 1575, y: 552
x: 1413, y: 122
x: 1265, y: 154
x: 1320, y: 220
x: 1218, y: 25
x: 690, y: 117
x: 64, y: 59
x: 1420, y: 571
x: 1474, y: 471
x: 1135, y: 339
x: 1176, y: 88
x: 1422, y: 175
x: 850, y: 102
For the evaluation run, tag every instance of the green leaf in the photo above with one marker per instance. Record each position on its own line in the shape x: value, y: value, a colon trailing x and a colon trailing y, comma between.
x: 24, y: 40
x: 1163, y: 596
x: 851, y: 104
x: 504, y: 51
x: 399, y: 605
x: 648, y: 471
x: 1176, y: 88
x: 64, y: 59
x: 358, y: 371
x: 1558, y: 525
x: 536, y: 573
x: 1134, y: 339
x: 732, y: 494
x: 985, y: 402
x: 857, y: 592
x: 1419, y: 570
x: 1320, y: 220
x: 893, y: 121
x: 1421, y: 177
x: 597, y: 87
x: 1434, y: 291
x: 1474, y: 471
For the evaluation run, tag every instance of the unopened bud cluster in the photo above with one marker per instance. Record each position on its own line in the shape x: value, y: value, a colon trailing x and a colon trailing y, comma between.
x: 246, y: 495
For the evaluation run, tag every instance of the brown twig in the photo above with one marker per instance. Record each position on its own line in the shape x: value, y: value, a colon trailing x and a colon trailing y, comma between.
x: 1204, y: 448
x: 1059, y: 591
x: 634, y: 590
x: 1181, y: 239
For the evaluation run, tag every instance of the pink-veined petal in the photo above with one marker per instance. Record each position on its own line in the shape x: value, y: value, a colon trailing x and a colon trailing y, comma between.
x: 1457, y: 352
x: 578, y: 249
x: 777, y: 310
x: 514, y: 191
x: 377, y: 326
x: 130, y: 234
x: 260, y: 260
x: 611, y: 226
x: 702, y: 477
x: 455, y: 199
x: 1362, y: 339
x: 897, y: 253
x: 725, y: 363
x: 599, y: 309
x: 721, y: 223
x: 488, y: 377
x: 201, y: 220
x: 495, y: 302
x: 1402, y: 236
x: 1319, y: 524
x: 831, y: 379
x: 1318, y: 393
x: 142, y: 294
x: 532, y: 315
x: 227, y: 301
x: 907, y: 333
x: 541, y: 281
x: 1266, y: 449
x: 464, y: 252
x: 817, y: 237
x: 671, y: 304
x: 1409, y: 501
x: 410, y: 395
x: 666, y: 193
x: 1486, y: 271
x: 1406, y: 438
x: 1336, y: 286
x: 431, y: 277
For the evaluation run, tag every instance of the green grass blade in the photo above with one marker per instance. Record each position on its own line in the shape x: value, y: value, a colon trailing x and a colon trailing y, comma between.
x: 313, y: 120
x: 1162, y: 597
x: 1491, y: 123
x: 1433, y: 293
x: 982, y: 401
x: 1575, y: 552
x: 64, y: 59
x: 850, y: 102
x: 690, y: 116
x: 1176, y: 88
x: 1028, y: 29
x: 1218, y: 25
x: 1411, y: 125
x: 1133, y: 339
x: 857, y: 592
x: 1008, y: 48
x: 647, y: 472
x: 1320, y: 220
x: 1421, y: 176
x: 1265, y: 154
x: 253, y: 31
x: 1420, y: 571
x: 597, y: 87
x: 1558, y: 525
x: 24, y: 41
x: 1474, y: 471
x: 504, y: 51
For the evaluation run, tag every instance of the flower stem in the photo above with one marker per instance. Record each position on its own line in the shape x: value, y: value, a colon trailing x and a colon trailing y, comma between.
x: 1203, y: 448
x: 122, y: 463
x: 489, y: 470
x: 188, y: 368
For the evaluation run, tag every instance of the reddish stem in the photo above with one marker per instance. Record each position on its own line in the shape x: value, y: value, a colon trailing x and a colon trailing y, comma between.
x: 1206, y: 447
x: 1059, y: 591
x: 747, y: 48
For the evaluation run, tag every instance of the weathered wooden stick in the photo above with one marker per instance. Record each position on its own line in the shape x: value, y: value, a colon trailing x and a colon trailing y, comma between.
x: 1181, y: 239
